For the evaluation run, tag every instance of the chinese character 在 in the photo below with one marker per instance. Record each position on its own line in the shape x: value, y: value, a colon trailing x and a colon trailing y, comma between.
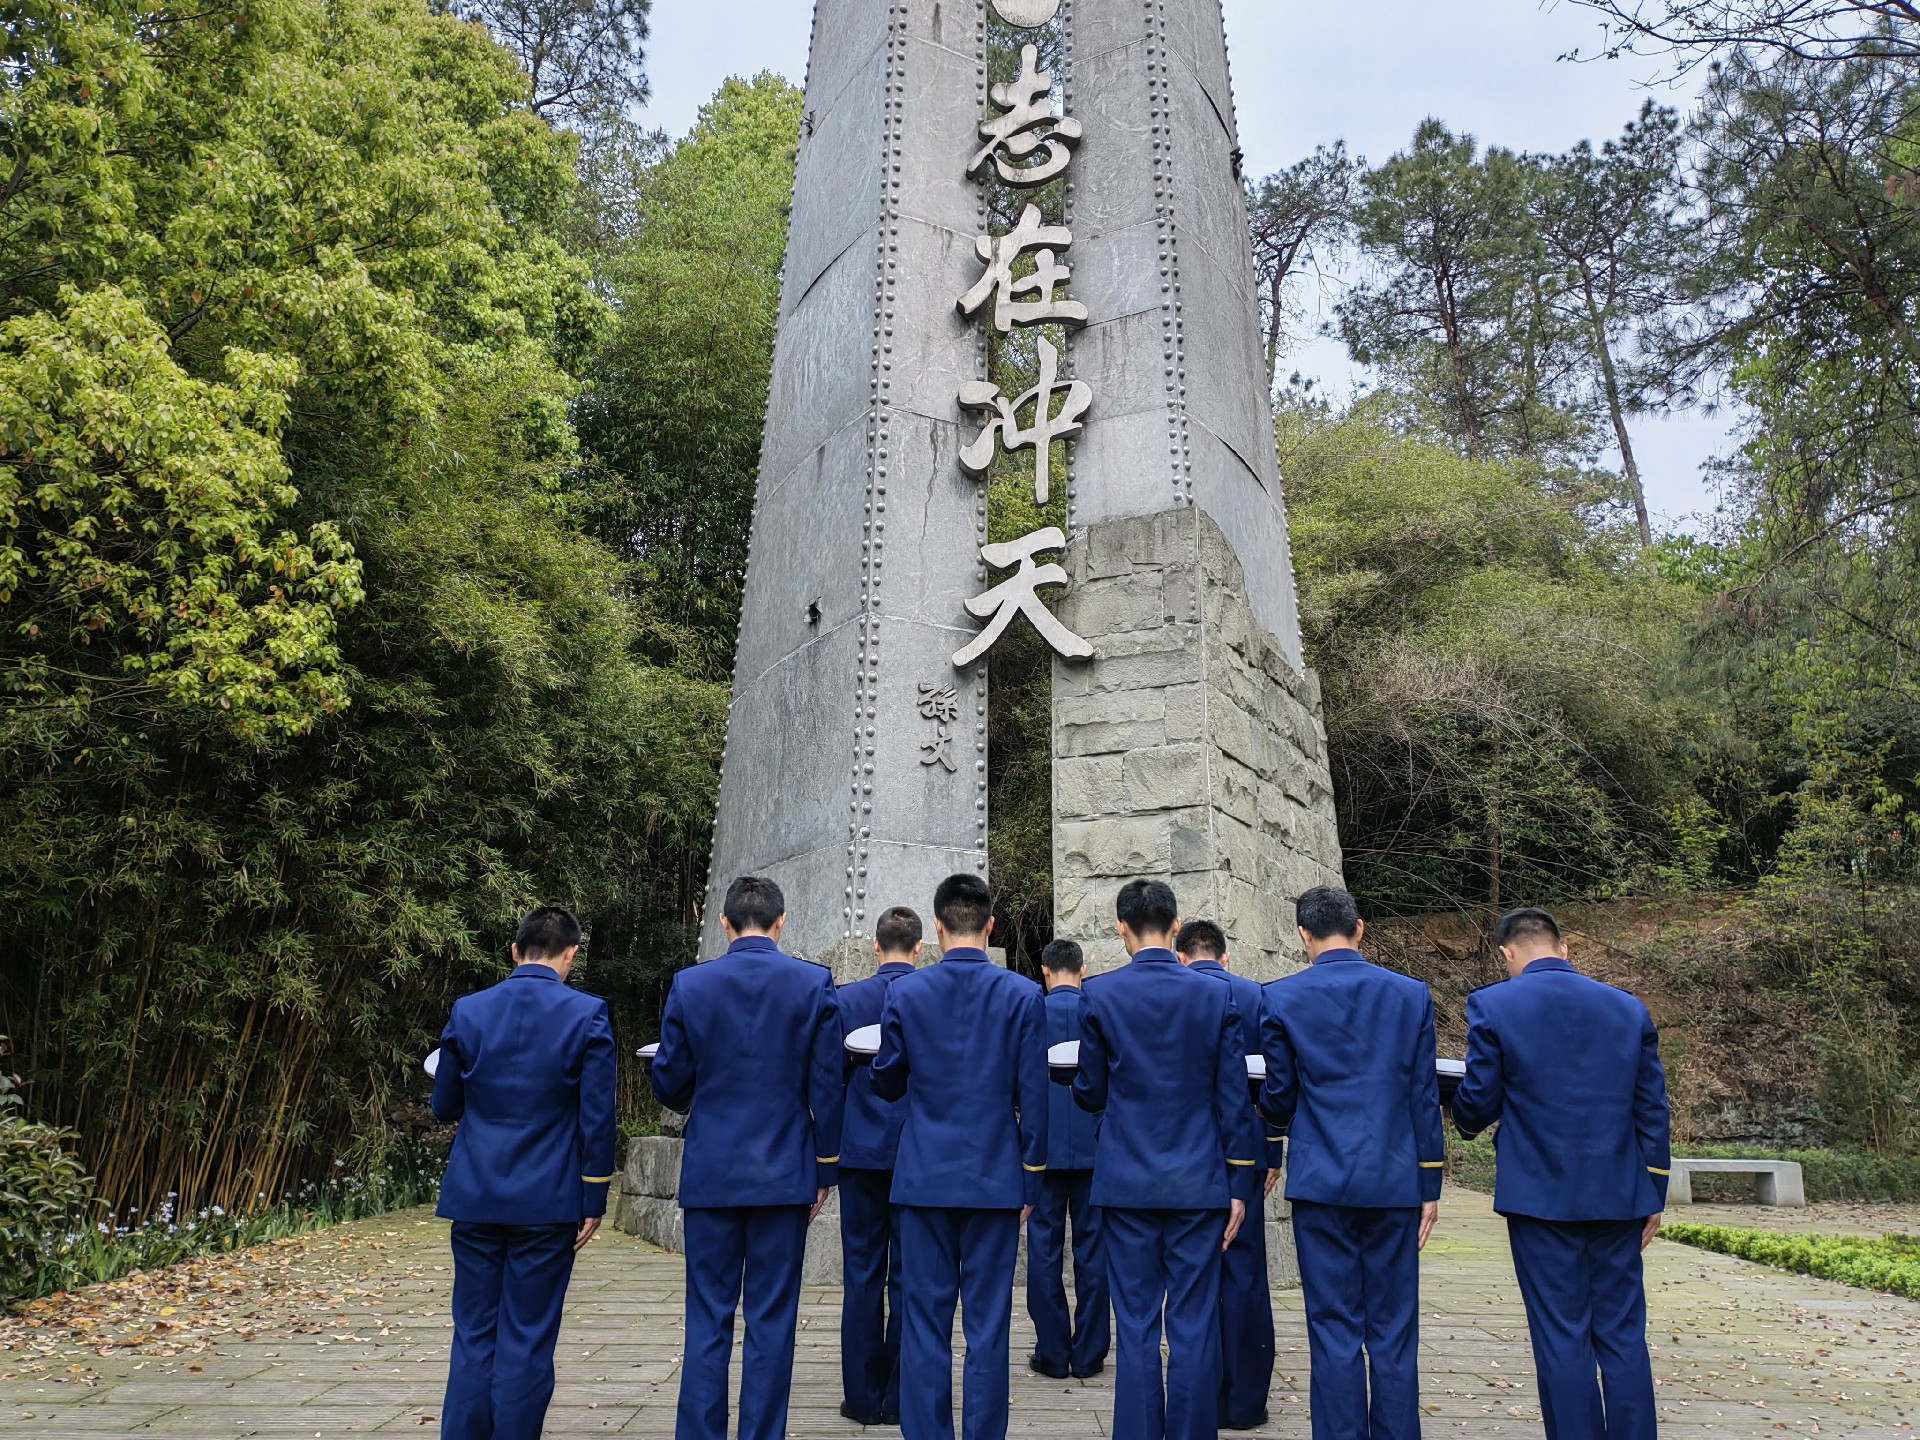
x: 1028, y: 125
x: 1005, y: 428
x: 1000, y: 253
x: 1018, y: 594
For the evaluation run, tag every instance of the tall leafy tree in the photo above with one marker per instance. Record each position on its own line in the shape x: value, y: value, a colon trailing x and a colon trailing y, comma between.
x: 1458, y: 310
x: 1301, y: 218
x: 1611, y: 224
x: 672, y: 422
x: 312, y: 679
x: 1810, y: 30
x: 586, y: 59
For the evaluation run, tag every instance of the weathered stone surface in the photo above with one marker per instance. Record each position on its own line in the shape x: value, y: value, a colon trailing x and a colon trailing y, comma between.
x: 653, y: 1167
x: 837, y: 782
x: 1223, y: 781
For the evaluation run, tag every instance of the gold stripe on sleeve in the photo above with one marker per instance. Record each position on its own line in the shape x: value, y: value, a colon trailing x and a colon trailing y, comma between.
x: 600, y: 1179
x: 1034, y: 1169
x: 1433, y: 1164
x: 1248, y: 1163
x: 1656, y: 1170
x: 826, y: 1159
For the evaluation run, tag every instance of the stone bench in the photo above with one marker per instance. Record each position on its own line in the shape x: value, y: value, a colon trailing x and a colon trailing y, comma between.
x: 1778, y: 1182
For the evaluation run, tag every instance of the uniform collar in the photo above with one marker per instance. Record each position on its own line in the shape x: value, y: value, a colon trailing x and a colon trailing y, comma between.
x: 1340, y: 957
x: 1547, y: 964
x: 753, y: 945
x: 1209, y: 967
x: 534, y: 970
x: 895, y: 968
x: 1155, y: 955
x: 968, y: 955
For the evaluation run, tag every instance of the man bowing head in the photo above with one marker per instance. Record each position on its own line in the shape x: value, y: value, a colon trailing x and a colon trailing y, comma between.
x: 1570, y: 1069
x: 527, y: 1069
x: 751, y: 1052
x: 963, y: 1046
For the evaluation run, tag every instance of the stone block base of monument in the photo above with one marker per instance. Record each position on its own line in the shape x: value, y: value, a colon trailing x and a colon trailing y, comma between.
x: 646, y: 1205
x: 1190, y: 748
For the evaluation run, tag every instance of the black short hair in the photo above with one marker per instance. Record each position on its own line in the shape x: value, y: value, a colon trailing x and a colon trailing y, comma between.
x: 753, y: 903
x: 898, y: 932
x: 1201, y: 940
x: 1327, y: 912
x: 1147, y: 907
x: 963, y: 904
x: 1525, y: 924
x: 1063, y: 957
x: 547, y: 933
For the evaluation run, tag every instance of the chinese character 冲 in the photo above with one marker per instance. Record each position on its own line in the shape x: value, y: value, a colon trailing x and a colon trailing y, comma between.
x: 1018, y: 595
x: 1028, y: 125
x: 999, y: 253
x: 977, y: 457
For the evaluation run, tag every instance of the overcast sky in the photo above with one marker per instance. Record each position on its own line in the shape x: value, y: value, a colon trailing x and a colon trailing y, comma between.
x: 1305, y: 72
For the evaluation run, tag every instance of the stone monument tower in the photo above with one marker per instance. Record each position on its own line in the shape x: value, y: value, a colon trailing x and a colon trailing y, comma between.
x: 1186, y: 734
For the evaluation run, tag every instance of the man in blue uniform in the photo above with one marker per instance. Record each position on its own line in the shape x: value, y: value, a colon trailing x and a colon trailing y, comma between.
x: 1173, y: 1173
x: 527, y: 1070
x: 963, y: 1044
x: 1350, y: 1069
x: 869, y: 1231
x: 1246, y: 1298
x: 751, y: 1052
x: 1571, y: 1070
x: 1068, y: 1343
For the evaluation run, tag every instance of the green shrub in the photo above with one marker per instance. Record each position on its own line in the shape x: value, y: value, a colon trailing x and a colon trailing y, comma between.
x: 1832, y: 1176
x: 1890, y: 1262
x: 43, y: 1189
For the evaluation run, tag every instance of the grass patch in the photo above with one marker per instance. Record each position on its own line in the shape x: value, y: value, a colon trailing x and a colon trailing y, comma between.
x: 1889, y: 1263
x: 1832, y: 1176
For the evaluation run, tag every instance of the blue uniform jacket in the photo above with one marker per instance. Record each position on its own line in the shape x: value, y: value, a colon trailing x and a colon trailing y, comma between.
x: 1571, y: 1070
x: 871, y: 1137
x: 1248, y: 1004
x: 1071, y: 1132
x: 752, y: 1053
x: 964, y: 1043
x: 1350, y: 1075
x: 527, y: 1069
x: 1161, y: 1064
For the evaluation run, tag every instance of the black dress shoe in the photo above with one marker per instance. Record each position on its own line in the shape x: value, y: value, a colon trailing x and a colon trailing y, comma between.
x: 1033, y: 1364
x: 875, y: 1419
x: 1253, y: 1424
x: 1091, y: 1371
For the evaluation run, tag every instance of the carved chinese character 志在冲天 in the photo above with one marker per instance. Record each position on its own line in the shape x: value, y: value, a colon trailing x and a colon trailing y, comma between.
x: 1026, y: 125
x: 1005, y: 429
x: 1000, y: 253
x: 1018, y: 594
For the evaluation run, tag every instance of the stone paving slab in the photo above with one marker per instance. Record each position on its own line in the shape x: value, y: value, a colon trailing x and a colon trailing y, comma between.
x: 1742, y: 1353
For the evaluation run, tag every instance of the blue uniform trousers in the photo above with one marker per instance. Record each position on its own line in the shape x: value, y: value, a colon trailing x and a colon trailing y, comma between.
x: 1587, y: 1312
x: 748, y: 1258
x: 1076, y: 1343
x: 509, y: 1283
x: 870, y: 1314
x: 1360, y: 1274
x: 1246, y: 1324
x: 1165, y: 1262
x: 947, y: 1256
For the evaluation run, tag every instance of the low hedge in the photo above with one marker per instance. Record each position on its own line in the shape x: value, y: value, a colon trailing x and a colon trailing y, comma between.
x: 1831, y: 1175
x: 1890, y: 1263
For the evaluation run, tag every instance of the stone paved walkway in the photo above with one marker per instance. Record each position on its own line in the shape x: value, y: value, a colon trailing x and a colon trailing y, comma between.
x: 1742, y: 1352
